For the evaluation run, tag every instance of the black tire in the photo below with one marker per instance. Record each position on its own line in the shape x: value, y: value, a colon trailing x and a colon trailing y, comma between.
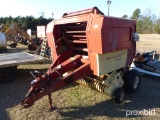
x: 132, y: 81
x: 119, y: 95
x: 48, y: 51
x: 7, y: 74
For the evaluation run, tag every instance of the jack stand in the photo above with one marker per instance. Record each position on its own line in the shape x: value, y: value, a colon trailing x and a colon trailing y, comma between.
x: 50, y: 103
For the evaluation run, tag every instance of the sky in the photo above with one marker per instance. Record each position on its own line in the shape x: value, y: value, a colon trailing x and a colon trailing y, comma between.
x: 118, y: 8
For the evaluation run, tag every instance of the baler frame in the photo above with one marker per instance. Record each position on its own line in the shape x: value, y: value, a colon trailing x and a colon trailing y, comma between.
x: 72, y: 41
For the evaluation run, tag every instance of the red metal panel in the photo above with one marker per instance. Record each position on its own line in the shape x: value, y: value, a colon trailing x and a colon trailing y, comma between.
x: 116, y: 33
x: 50, y: 38
x: 108, y: 32
x: 95, y: 34
x: 93, y: 63
x: 121, y: 34
x: 49, y: 32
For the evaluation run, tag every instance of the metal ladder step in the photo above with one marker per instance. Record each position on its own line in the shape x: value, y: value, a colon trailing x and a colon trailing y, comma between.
x: 43, y: 47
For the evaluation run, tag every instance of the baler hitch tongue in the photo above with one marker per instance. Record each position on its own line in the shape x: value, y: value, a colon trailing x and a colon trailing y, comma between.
x: 26, y: 102
x: 34, y: 94
x: 29, y: 100
x: 50, y: 81
x: 37, y: 86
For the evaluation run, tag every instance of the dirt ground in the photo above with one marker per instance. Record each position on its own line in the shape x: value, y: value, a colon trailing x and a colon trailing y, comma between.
x: 148, y: 42
x: 79, y: 102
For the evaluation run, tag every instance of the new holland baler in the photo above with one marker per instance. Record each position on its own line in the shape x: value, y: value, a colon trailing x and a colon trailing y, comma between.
x: 92, y: 49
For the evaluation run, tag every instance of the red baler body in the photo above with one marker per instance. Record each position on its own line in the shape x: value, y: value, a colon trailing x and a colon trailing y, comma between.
x: 76, y: 40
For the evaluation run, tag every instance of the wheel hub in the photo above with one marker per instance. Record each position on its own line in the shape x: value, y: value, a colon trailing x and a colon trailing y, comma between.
x: 136, y: 82
x: 122, y: 96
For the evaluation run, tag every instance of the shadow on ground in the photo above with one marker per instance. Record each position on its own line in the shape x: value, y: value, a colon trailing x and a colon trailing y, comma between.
x: 12, y: 93
x: 147, y: 98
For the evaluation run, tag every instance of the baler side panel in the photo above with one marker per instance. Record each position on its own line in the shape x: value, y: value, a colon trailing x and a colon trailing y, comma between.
x: 50, y: 38
x: 118, y: 33
x: 108, y: 35
x: 95, y: 41
x: 121, y: 39
x: 109, y: 62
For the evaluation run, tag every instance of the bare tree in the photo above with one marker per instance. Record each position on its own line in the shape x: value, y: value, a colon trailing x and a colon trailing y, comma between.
x: 148, y: 21
x: 154, y: 19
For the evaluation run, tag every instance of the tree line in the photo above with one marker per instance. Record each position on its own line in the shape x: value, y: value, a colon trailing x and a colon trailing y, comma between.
x: 28, y: 22
x: 147, y: 23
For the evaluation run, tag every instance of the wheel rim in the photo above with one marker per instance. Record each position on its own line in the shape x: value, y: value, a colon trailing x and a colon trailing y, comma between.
x: 121, y: 96
x: 136, y: 82
x: 48, y: 51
